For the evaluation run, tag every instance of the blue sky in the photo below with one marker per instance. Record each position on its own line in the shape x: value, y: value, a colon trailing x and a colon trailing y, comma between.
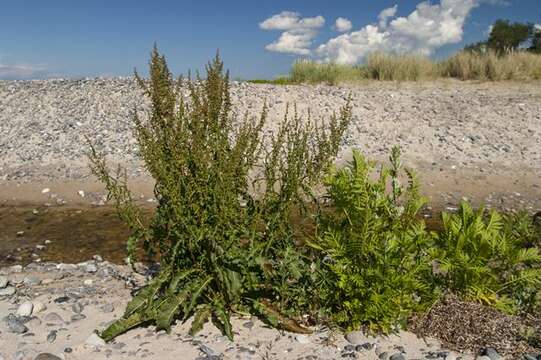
x: 67, y: 38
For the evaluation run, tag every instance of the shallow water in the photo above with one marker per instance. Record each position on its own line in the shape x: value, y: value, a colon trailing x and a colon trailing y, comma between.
x: 72, y: 235
x: 68, y: 234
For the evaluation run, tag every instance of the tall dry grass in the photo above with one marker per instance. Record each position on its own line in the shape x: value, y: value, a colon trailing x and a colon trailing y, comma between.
x: 489, y: 66
x: 464, y: 65
x: 307, y: 71
x: 388, y: 67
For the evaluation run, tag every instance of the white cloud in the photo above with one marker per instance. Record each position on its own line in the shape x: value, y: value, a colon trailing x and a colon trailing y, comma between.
x: 342, y: 24
x: 537, y: 27
x: 424, y: 30
x: 298, y: 33
x: 489, y: 30
x: 21, y: 71
x: 386, y: 14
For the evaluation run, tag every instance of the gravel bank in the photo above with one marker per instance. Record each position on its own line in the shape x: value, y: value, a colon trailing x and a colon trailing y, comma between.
x: 447, y: 130
x: 55, y: 308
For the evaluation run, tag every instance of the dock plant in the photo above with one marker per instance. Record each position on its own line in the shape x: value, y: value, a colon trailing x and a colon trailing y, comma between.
x: 223, y: 247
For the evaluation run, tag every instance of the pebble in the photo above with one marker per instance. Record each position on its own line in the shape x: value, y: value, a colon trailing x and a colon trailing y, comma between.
x: 356, y: 337
x: 397, y: 356
x: 45, y: 190
x: 51, y: 337
x: 16, y: 268
x: 66, y: 267
x: 53, y: 318
x: 3, y: 282
x: 383, y: 356
x: 78, y: 317
x: 15, y: 325
x: 47, y: 356
x: 31, y: 281
x: 491, y: 353
x: 107, y: 308
x: 303, y: 339
x: 25, y: 309
x: 95, y: 340
x: 39, y: 307
x: 248, y: 324
x: 91, y: 268
x: 8, y: 291
x: 61, y: 299
x: 88, y: 282
x: 77, y: 308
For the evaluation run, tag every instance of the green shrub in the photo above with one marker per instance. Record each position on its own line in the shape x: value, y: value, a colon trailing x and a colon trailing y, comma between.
x: 376, y: 271
x: 489, y: 258
x: 221, y: 248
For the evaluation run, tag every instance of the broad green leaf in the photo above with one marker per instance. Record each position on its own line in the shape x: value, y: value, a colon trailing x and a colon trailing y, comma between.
x: 201, y: 317
x: 122, y: 325
x: 166, y: 312
x: 147, y: 294
x: 195, y: 296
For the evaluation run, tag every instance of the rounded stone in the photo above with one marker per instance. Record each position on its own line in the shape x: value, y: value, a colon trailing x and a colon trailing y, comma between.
x: 47, y: 356
x: 8, y: 291
x: 95, y: 340
x: 39, y: 307
x: 31, y: 280
x: 53, y: 318
x: 356, y: 337
x: 3, y: 282
x: 25, y: 309
x: 397, y: 356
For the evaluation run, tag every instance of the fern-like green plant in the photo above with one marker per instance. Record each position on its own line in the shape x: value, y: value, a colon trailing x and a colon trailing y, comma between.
x: 489, y: 258
x: 376, y: 271
x: 222, y: 248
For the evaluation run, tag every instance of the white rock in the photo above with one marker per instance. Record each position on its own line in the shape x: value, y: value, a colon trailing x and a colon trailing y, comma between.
x: 95, y: 340
x: 303, y: 339
x: 3, y: 282
x: 356, y: 337
x: 45, y: 190
x: 66, y: 267
x: 25, y: 309
x: 8, y: 291
x: 81, y: 193
x: 88, y: 282
x: 39, y: 307
x: 16, y: 268
x: 91, y: 268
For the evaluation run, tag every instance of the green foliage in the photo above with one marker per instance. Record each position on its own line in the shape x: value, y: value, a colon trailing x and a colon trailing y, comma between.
x: 221, y: 248
x: 281, y: 80
x: 489, y: 258
x: 376, y: 272
x: 506, y: 36
x: 536, y: 41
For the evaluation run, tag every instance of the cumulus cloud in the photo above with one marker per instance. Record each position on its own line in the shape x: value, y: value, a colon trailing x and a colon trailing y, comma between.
x: 427, y: 28
x: 342, y: 24
x: 386, y: 14
x: 537, y: 27
x: 21, y: 71
x: 297, y: 33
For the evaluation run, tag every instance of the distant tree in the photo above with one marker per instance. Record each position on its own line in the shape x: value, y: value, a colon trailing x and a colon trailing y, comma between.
x: 506, y: 36
x: 480, y: 46
x: 536, y: 41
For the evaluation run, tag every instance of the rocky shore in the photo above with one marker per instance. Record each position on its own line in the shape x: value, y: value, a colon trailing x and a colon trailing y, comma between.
x: 51, y: 311
x: 479, y: 140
